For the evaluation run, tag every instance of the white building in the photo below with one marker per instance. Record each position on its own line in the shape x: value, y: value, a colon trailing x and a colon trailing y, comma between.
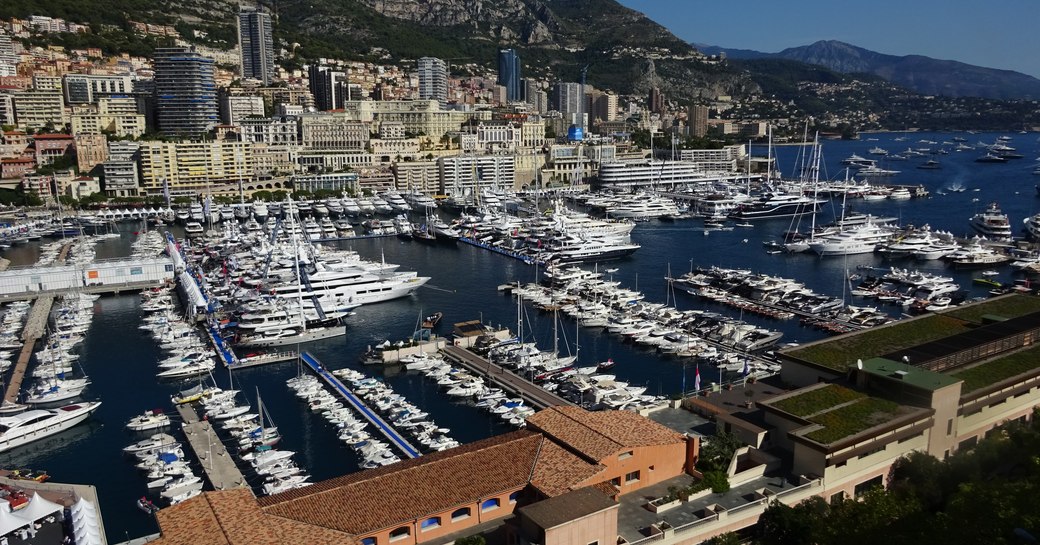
x: 466, y: 174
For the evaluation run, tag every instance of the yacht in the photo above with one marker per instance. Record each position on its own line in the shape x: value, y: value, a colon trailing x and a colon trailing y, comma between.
x: 859, y: 240
x: 334, y: 206
x: 397, y: 202
x: 22, y: 428
x: 381, y: 206
x: 357, y: 286
x: 420, y: 201
x: 876, y: 171
x: 857, y: 161
x: 992, y: 223
x: 350, y: 207
x: 1032, y: 226
x: 977, y: 256
x: 227, y: 213
x: 644, y: 209
x: 260, y: 211
x: 877, y: 150
x: 576, y: 250
x: 777, y: 206
x: 899, y: 194
x: 991, y: 158
x: 193, y: 229
x: 197, y: 213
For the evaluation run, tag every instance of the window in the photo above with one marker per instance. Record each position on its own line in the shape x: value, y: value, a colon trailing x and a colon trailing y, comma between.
x: 651, y: 469
x: 594, y: 543
x: 489, y: 505
x: 632, y: 477
x: 368, y: 541
x: 460, y: 514
x: 430, y: 524
x: 616, y: 481
x: 949, y: 427
x: 625, y: 455
x: 514, y: 496
x: 399, y: 534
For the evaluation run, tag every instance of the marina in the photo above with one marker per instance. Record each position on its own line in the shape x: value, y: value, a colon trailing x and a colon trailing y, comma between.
x: 465, y: 278
x: 504, y: 378
x: 388, y: 431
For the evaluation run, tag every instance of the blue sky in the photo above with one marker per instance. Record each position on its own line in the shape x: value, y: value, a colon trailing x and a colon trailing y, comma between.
x: 996, y: 35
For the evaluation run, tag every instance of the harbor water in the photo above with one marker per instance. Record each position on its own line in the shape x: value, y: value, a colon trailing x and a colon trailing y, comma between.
x: 121, y: 360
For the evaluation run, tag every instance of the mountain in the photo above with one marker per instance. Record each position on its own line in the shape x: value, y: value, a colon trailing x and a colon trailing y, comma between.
x: 918, y: 73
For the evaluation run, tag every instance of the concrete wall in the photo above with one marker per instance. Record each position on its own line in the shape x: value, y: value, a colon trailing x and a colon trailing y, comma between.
x: 598, y: 528
x: 447, y: 526
x: 997, y: 408
x: 667, y: 461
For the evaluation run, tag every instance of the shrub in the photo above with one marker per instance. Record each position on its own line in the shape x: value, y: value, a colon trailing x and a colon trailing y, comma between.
x: 717, y: 481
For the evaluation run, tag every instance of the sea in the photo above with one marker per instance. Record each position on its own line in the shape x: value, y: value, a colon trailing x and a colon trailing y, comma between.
x: 121, y: 359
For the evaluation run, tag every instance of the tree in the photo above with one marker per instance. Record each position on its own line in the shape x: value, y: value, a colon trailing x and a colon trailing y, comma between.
x: 784, y: 525
x: 475, y: 539
x: 717, y: 452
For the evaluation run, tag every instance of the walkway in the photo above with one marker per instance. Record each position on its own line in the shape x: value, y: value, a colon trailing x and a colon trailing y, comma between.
x: 35, y: 325
x: 220, y: 469
x: 360, y: 406
x: 102, y: 290
x: 531, y: 393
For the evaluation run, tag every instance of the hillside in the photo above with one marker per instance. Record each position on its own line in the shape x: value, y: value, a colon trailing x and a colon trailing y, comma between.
x: 625, y: 51
x: 921, y: 74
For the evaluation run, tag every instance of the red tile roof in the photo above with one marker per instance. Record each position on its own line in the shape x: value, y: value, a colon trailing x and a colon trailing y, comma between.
x: 383, y: 498
x: 597, y: 435
x: 557, y: 471
x: 232, y: 517
x: 52, y: 136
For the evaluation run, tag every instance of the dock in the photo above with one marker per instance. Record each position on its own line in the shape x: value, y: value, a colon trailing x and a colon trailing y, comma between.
x: 224, y: 352
x: 501, y: 251
x: 220, y: 468
x: 386, y: 429
x: 531, y: 393
x: 35, y: 325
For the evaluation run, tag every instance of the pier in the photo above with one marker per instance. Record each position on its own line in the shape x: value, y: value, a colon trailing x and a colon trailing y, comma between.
x: 220, y: 469
x: 533, y: 394
x: 261, y: 359
x: 359, y: 406
x: 501, y: 251
x: 35, y: 324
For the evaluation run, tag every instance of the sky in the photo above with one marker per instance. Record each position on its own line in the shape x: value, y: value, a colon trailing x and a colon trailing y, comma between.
x: 1001, y: 35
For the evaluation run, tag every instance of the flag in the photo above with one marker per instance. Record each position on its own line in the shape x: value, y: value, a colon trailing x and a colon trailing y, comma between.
x: 166, y: 191
x: 745, y: 371
x: 697, y: 379
x: 207, y: 205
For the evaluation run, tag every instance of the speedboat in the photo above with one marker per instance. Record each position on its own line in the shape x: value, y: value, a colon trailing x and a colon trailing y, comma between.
x: 29, y: 426
x: 150, y: 420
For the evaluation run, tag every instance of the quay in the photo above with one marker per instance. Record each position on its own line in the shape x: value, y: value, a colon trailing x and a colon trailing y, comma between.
x: 107, y: 289
x: 359, y: 406
x: 531, y: 393
x: 35, y: 325
x: 224, y: 352
x: 220, y: 469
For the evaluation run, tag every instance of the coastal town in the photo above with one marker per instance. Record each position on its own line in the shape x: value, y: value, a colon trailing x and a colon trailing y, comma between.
x: 489, y: 300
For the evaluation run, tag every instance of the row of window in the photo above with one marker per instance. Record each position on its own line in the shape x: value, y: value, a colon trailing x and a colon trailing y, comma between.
x: 432, y: 523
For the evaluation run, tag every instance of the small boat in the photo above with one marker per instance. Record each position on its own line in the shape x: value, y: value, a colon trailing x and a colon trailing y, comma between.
x: 146, y: 505
x: 432, y: 320
x: 150, y: 420
x: 609, y: 364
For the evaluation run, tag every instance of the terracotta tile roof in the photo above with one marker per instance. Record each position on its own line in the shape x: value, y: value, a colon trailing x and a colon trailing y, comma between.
x: 557, y: 471
x: 597, y: 435
x: 382, y: 498
x: 232, y: 517
x: 54, y: 136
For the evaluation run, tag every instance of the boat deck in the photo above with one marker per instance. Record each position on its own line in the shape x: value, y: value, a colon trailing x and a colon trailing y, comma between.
x: 386, y: 429
x: 532, y: 394
x: 220, y: 468
x: 262, y: 359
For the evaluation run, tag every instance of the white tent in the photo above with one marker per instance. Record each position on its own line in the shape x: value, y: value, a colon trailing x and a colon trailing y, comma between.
x: 8, y: 521
x: 38, y: 508
x: 85, y: 523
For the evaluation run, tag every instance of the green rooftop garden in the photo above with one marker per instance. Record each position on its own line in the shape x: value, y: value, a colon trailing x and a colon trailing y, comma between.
x: 1011, y: 306
x: 817, y: 400
x: 840, y: 353
x: 851, y: 419
x: 996, y: 370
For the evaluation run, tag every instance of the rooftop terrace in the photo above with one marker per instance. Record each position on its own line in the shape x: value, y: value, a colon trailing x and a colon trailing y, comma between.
x: 996, y: 370
x: 842, y: 352
x: 837, y: 412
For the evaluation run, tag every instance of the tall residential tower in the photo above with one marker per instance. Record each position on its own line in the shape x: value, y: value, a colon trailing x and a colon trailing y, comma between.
x: 433, y: 79
x: 185, y: 93
x: 256, y: 42
x: 509, y: 73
